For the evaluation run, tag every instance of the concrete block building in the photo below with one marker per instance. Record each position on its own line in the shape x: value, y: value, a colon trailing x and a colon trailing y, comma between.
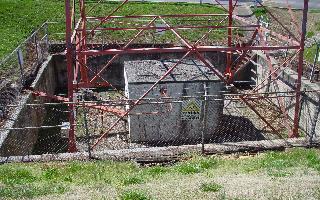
x: 183, y: 115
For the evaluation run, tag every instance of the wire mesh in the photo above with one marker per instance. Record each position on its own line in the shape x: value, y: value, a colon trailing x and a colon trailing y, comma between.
x: 173, y: 113
x: 22, y: 64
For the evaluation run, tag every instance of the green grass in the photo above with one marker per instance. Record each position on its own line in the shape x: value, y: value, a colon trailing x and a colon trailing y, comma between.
x: 258, y: 12
x: 314, y: 11
x: 29, y: 180
x: 196, y: 165
x: 310, y: 34
x: 210, y: 187
x: 20, y: 17
x: 133, y: 180
x: 134, y: 195
x: 310, y: 53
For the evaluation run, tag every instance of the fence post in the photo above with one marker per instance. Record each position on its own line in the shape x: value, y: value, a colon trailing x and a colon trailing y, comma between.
x: 87, y: 131
x: 20, y: 60
x: 204, y: 118
x: 36, y: 45
x: 316, y: 59
x: 314, y: 122
x: 46, y: 36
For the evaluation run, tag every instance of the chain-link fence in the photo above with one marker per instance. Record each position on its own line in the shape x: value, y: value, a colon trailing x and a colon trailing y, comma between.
x: 201, y: 114
x: 22, y: 64
x: 189, y: 110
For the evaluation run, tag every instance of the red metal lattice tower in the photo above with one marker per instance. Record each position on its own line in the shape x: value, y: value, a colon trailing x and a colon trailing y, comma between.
x: 78, y: 51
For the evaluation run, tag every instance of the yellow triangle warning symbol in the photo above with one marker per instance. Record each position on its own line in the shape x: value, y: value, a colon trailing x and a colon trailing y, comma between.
x: 191, y: 107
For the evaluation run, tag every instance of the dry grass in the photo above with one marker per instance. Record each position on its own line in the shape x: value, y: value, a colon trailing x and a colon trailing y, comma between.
x: 274, y: 175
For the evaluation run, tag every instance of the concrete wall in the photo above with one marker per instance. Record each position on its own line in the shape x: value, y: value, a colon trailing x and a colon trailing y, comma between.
x: 167, y: 123
x: 166, y: 126
x: 310, y: 107
x: 21, y: 142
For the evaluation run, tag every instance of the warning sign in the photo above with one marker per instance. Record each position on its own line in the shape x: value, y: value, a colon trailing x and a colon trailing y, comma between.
x: 191, y: 110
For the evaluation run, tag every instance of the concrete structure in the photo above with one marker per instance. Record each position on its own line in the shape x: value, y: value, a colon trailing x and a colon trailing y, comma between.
x: 167, y: 123
x: 21, y: 141
x: 309, y: 120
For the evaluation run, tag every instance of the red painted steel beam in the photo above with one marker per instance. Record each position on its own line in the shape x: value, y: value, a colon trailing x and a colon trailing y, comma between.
x: 104, y: 108
x: 72, y: 142
x: 83, y: 43
x: 170, y: 28
x: 77, y: 64
x: 49, y: 96
x: 228, y: 72
x: 152, y: 16
x: 295, y: 130
x: 181, y: 50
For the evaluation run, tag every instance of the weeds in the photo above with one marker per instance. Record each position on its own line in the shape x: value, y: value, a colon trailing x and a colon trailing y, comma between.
x: 310, y: 53
x: 210, y: 187
x: 258, y: 12
x: 195, y: 165
x: 310, y: 34
x: 134, y: 195
x: 133, y: 180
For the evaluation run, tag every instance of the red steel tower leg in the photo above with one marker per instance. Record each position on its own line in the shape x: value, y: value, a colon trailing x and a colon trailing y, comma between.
x: 295, y: 131
x: 72, y: 144
x: 83, y: 58
x: 229, y: 53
